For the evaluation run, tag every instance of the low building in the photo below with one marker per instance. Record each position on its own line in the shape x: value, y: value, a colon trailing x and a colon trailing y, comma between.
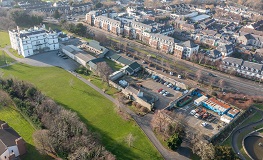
x: 200, y: 18
x: 95, y: 47
x: 199, y: 100
x: 207, y: 23
x: 33, y: 40
x: 256, y: 25
x: 233, y: 112
x: 92, y: 64
x: 215, y: 55
x: 251, y: 68
x: 226, y: 119
x: 77, y: 54
x: 131, y: 68
x: 12, y: 145
x: 216, y: 106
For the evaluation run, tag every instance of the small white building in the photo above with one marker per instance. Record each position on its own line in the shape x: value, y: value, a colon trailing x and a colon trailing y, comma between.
x: 33, y: 40
x: 199, y: 100
x: 225, y: 118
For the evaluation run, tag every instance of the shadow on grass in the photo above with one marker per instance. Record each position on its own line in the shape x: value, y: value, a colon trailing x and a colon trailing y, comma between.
x: 32, y: 153
x: 118, y: 149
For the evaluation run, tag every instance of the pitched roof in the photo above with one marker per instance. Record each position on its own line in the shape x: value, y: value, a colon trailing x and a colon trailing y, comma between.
x: 134, y: 65
x: 96, y: 45
x: 189, y: 44
x: 3, y: 147
x: 93, y: 63
x: 215, y: 53
x: 253, y: 65
x: 124, y: 61
x: 233, y: 60
x: 8, y: 136
x: 225, y: 48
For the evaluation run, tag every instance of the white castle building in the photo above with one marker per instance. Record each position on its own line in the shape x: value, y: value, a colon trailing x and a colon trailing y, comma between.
x: 33, y: 40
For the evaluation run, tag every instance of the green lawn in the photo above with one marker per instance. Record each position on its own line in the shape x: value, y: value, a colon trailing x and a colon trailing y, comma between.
x: 4, y: 40
x: 25, y: 130
x: 259, y: 106
x: 5, y: 59
x: 114, y: 66
x: 14, y: 52
x: 96, y: 111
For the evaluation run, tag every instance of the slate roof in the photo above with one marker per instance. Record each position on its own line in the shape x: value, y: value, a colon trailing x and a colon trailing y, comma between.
x: 215, y: 53
x: 3, y: 147
x: 93, y: 63
x: 253, y: 65
x: 233, y: 60
x: 189, y: 44
x: 124, y: 61
x: 96, y: 45
x: 164, y: 37
x: 8, y: 136
x: 134, y: 65
x: 225, y: 48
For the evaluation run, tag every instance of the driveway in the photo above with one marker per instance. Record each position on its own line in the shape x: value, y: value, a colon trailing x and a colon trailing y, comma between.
x: 47, y: 59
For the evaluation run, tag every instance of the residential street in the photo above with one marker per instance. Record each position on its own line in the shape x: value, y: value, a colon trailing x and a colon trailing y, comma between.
x: 239, y: 130
x: 237, y: 84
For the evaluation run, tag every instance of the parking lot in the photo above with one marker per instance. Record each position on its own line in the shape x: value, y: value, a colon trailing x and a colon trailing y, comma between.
x: 164, y: 100
x: 208, y: 126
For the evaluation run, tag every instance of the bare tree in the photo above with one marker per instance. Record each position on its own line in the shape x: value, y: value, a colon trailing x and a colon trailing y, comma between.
x: 199, y: 75
x: 43, y: 142
x: 104, y: 70
x: 222, y: 84
x: 130, y: 139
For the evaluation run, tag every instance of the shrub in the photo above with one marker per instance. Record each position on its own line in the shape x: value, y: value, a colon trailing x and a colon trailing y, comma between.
x: 134, y: 103
x: 144, y: 109
x: 138, y: 106
x: 174, y: 142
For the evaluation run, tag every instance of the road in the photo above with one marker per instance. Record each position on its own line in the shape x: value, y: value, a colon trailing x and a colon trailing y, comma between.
x: 144, y: 123
x: 51, y: 59
x: 239, y: 130
x: 237, y: 84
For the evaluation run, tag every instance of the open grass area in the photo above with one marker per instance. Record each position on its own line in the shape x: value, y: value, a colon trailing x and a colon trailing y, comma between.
x: 114, y: 66
x: 4, y: 40
x: 5, y: 58
x: 259, y: 106
x: 25, y: 130
x: 97, y: 112
x: 14, y: 52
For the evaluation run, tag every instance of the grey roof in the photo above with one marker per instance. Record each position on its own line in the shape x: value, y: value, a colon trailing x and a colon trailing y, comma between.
x: 215, y: 53
x: 3, y: 147
x: 233, y: 60
x: 253, y: 65
x: 93, y: 63
x: 129, y: 70
x: 8, y: 136
x: 96, y: 45
x: 115, y: 57
x: 84, y: 56
x: 164, y: 37
x: 29, y: 33
x: 189, y: 44
x: 124, y: 61
x: 249, y: 36
x: 225, y: 48
x: 134, y: 65
x: 113, y: 21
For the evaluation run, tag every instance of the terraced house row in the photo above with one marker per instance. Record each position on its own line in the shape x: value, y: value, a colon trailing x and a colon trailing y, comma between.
x: 155, y: 36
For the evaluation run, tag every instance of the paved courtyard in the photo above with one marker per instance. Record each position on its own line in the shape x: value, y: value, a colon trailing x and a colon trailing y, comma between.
x: 163, y: 100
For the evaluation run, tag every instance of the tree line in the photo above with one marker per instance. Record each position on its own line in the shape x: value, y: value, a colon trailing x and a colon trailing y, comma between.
x: 10, y: 18
x: 61, y: 133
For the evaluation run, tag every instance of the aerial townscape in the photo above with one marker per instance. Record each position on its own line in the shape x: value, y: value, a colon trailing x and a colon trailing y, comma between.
x: 131, y: 79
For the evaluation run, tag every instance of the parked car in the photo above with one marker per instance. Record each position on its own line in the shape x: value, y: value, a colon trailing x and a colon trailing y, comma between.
x: 166, y: 93
x: 178, y: 89
x: 170, y: 85
x: 171, y: 73
x: 166, y: 83
x: 162, y: 92
x: 204, y: 124
x: 197, y: 115
x: 179, y: 76
x: 159, y: 90
x: 193, y: 112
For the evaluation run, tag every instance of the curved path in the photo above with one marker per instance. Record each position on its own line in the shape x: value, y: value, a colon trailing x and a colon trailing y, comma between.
x: 45, y: 60
x: 239, y: 130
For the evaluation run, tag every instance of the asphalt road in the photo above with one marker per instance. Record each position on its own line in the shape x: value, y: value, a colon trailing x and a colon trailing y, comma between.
x: 237, y: 84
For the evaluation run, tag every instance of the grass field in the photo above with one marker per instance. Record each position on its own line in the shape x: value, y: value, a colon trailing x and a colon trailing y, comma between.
x: 5, y: 59
x: 25, y: 130
x: 96, y: 111
x: 14, y: 52
x: 4, y: 40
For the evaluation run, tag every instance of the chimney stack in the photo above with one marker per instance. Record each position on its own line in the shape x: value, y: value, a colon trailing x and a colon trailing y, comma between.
x: 21, y: 145
x: 4, y: 126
